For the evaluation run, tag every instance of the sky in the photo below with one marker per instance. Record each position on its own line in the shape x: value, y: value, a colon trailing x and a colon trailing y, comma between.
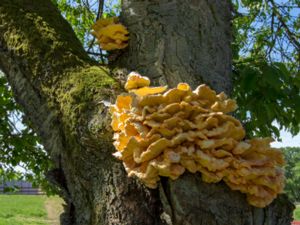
x: 287, y: 140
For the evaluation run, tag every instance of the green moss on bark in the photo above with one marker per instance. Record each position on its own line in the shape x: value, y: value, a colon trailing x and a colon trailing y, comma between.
x: 41, y: 45
x: 81, y: 90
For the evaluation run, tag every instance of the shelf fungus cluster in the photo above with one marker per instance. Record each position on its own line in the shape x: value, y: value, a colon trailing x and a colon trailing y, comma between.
x: 161, y: 132
x: 110, y: 34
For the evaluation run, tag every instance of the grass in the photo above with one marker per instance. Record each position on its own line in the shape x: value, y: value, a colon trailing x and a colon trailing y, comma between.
x: 297, y: 213
x: 41, y: 210
x: 27, y: 209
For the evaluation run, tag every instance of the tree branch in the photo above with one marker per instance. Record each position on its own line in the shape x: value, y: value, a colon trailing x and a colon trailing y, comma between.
x: 291, y: 35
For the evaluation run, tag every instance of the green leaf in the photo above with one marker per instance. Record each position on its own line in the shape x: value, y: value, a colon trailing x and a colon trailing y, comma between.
x: 272, y: 77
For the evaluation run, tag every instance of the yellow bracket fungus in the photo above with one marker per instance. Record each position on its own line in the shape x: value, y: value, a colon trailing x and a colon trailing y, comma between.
x: 110, y: 34
x: 160, y: 132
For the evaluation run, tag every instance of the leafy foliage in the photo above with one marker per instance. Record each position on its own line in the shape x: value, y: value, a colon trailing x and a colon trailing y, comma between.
x: 21, y: 155
x: 292, y: 172
x: 267, y: 92
x: 266, y: 65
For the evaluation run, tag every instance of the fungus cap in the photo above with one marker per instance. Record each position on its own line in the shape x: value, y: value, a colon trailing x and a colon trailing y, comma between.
x: 110, y: 34
x: 160, y: 132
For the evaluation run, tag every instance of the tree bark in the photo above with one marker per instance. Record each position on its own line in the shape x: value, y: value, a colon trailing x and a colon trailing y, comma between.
x: 179, y: 41
x: 61, y: 90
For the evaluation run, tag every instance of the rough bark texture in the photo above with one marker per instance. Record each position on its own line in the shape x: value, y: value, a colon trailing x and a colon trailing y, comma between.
x: 179, y: 40
x: 193, y: 202
x: 61, y: 90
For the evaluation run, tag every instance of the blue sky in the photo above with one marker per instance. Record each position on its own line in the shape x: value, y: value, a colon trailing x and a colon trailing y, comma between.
x: 287, y: 140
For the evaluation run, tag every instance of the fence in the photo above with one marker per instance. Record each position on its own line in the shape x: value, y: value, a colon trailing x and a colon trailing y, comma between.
x: 19, y: 187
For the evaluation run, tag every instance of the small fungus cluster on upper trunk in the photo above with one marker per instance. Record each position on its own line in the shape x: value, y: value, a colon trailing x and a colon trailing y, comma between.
x: 111, y: 34
x: 160, y: 132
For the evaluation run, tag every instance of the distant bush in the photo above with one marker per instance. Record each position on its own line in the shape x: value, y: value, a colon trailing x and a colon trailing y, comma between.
x: 292, y: 172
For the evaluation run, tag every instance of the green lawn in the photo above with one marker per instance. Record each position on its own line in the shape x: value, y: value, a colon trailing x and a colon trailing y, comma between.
x: 31, y: 210
x: 24, y: 210
x: 297, y: 213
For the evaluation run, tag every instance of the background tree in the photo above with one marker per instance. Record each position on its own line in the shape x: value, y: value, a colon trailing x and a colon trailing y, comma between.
x: 61, y: 89
x: 292, y: 172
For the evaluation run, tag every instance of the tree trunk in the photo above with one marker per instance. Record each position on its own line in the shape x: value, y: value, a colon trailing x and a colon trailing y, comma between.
x: 179, y: 41
x: 62, y: 89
